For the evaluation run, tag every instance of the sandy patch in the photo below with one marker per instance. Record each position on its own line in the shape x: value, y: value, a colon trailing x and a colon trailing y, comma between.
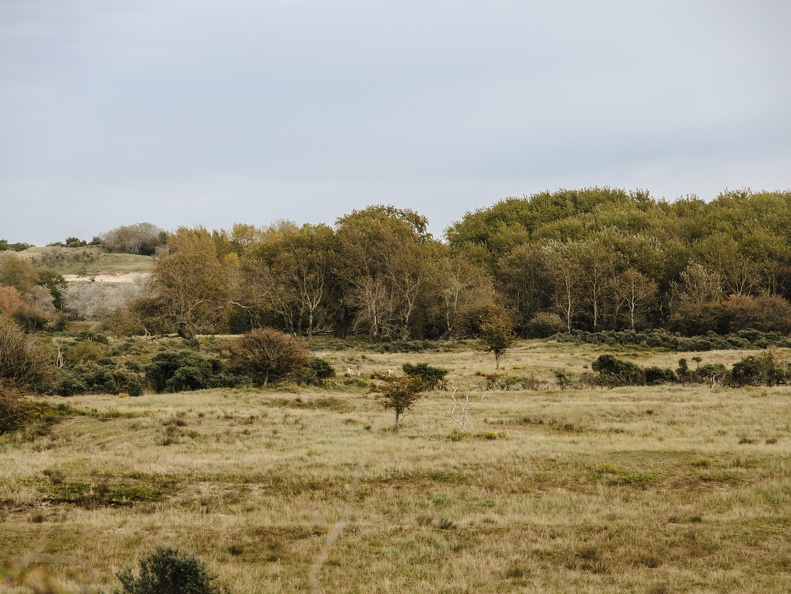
x: 108, y: 277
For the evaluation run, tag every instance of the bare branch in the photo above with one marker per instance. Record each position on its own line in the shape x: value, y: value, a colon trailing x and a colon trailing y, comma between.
x: 466, y: 407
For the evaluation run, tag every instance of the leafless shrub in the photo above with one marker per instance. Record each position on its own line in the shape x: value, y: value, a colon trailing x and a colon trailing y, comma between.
x: 464, y: 407
x: 16, y: 411
x: 98, y: 301
x: 24, y: 364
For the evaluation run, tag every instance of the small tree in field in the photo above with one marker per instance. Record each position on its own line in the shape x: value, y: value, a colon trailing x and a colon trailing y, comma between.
x: 268, y: 354
x: 399, y: 393
x: 496, y: 337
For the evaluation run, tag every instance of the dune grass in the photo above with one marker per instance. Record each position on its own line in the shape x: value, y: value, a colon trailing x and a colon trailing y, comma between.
x: 86, y: 261
x: 652, y: 489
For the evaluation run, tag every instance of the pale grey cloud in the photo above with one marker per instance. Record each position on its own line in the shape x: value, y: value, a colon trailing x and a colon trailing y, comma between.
x: 205, y: 112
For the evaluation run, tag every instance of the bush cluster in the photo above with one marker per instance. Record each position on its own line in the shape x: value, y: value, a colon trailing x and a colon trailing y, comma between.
x: 764, y: 369
x: 702, y: 373
x: 387, y: 345
x: 433, y: 378
x: 168, y: 570
x: 318, y: 371
x: 544, y: 324
x: 187, y: 370
x: 616, y: 372
x: 93, y: 366
x: 102, y: 377
x: 671, y: 342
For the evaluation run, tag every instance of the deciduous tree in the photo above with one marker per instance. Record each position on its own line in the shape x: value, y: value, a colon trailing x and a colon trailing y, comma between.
x: 636, y: 292
x: 497, y: 337
x: 191, y: 283
x: 399, y: 393
x: 140, y: 238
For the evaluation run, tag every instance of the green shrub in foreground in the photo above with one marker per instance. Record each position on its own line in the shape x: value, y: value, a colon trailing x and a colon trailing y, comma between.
x: 169, y: 571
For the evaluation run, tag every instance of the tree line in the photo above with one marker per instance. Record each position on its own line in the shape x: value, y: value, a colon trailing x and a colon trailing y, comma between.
x: 589, y: 260
x: 377, y: 271
x: 605, y: 259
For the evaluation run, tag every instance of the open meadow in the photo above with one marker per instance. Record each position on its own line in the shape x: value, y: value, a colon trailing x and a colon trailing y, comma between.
x: 654, y: 489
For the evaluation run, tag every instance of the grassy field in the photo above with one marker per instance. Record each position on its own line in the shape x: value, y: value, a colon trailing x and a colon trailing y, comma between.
x: 652, y: 489
x: 87, y: 261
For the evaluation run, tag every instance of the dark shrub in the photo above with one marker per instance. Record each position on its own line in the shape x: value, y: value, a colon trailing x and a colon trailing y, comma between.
x: 695, y: 319
x: 69, y: 384
x: 322, y: 368
x: 31, y: 318
x: 184, y: 370
x: 659, y: 338
x: 432, y: 377
x: 657, y: 375
x: 748, y: 371
x: 128, y: 382
x: 318, y: 371
x: 97, y: 378
x: 763, y: 369
x: 615, y: 372
x: 705, y: 373
x: 169, y: 571
x: 683, y: 369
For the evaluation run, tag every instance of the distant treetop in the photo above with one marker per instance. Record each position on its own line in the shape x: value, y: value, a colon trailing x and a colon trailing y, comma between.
x: 140, y: 238
x: 13, y: 247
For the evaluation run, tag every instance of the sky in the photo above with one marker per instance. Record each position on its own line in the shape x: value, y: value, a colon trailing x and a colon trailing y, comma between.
x: 209, y: 112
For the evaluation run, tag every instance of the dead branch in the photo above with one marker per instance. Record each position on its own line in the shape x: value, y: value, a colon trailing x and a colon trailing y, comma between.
x: 466, y: 407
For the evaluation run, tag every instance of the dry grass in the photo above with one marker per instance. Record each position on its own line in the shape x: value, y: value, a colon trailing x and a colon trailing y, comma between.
x: 671, y: 489
x: 87, y: 261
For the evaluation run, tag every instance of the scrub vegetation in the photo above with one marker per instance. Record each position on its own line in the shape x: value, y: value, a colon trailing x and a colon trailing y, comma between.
x: 579, y: 391
x: 671, y: 488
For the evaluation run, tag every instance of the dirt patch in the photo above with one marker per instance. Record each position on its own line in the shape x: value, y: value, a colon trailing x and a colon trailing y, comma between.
x: 110, y: 277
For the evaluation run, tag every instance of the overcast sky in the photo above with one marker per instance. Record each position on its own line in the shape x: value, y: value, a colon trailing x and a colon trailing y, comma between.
x: 213, y: 112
